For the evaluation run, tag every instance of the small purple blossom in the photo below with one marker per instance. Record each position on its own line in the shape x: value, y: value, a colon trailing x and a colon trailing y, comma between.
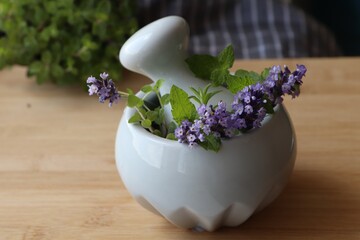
x: 91, y: 79
x: 104, y: 88
x: 93, y: 89
x: 201, y: 110
x: 248, y: 109
x: 104, y: 75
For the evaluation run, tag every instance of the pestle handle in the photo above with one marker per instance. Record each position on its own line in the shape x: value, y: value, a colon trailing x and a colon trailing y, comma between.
x: 158, y: 51
x: 155, y: 47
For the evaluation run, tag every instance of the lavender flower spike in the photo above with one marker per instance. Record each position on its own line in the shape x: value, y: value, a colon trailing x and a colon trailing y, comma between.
x: 104, y: 88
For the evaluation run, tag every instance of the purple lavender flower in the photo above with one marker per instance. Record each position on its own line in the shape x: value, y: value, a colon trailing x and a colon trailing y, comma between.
x: 288, y: 83
x: 104, y: 88
x: 201, y: 110
x: 104, y: 75
x: 91, y: 79
x: 301, y: 69
x: 248, y: 108
x: 93, y: 89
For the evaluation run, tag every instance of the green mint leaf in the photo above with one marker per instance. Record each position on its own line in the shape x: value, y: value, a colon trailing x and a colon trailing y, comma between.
x: 130, y: 91
x: 195, y: 99
x: 208, y: 96
x: 202, y: 96
x: 264, y: 74
x: 211, y: 143
x: 134, y: 101
x: 196, y: 92
x: 35, y: 68
x: 157, y: 132
x: 219, y: 77
x: 147, y: 88
x: 165, y: 99
x: 182, y: 107
x: 197, y: 95
x: 156, y: 115
x: 202, y: 65
x: 226, y: 57
x: 146, y: 123
x: 152, y: 115
x: 171, y: 136
x: 172, y: 126
x: 135, y: 118
x: 161, y: 118
x: 236, y: 83
x: 253, y: 76
x: 158, y: 84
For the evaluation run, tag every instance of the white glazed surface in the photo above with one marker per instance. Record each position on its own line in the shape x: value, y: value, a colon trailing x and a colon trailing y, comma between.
x: 195, y: 188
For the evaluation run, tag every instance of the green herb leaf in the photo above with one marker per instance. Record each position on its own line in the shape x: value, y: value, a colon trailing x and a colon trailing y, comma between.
x: 147, y: 88
x: 172, y: 126
x: 235, y: 83
x: 161, y: 117
x: 165, y: 99
x: 211, y: 143
x: 209, y: 95
x: 219, y: 77
x: 202, y: 65
x: 182, y: 107
x: 246, y: 74
x: 226, y: 57
x: 130, y: 91
x: 158, y: 84
x: 34, y: 33
x: 135, y: 118
x: 171, y: 136
x: 157, y: 132
x: 146, y: 123
x: 202, y: 96
x: 134, y: 101
x: 152, y: 115
x: 264, y: 74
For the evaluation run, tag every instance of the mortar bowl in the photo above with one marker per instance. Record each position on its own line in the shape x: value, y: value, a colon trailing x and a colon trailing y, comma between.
x: 196, y: 188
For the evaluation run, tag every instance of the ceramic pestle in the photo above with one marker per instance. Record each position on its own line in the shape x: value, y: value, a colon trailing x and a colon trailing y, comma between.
x: 158, y: 51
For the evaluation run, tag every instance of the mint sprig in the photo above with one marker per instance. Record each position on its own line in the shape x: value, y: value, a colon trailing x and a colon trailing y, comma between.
x: 149, y: 113
x: 182, y: 107
x: 216, y: 69
x: 203, y: 65
x: 203, y: 96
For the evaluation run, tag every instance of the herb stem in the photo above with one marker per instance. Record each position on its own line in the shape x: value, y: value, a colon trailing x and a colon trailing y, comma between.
x: 151, y: 129
x: 123, y: 94
x: 163, y: 126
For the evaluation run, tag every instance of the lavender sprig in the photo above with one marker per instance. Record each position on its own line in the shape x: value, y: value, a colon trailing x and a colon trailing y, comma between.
x: 249, y: 108
x: 278, y: 83
x: 104, y: 88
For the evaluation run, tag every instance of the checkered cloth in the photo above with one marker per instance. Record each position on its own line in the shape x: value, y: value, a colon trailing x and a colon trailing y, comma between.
x: 256, y: 28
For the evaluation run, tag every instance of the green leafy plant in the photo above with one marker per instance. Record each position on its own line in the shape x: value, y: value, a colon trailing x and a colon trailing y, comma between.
x: 64, y: 41
x: 148, y: 114
x: 217, y: 70
x: 255, y: 96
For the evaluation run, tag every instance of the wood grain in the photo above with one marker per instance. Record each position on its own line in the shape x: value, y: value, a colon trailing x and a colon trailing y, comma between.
x: 58, y: 178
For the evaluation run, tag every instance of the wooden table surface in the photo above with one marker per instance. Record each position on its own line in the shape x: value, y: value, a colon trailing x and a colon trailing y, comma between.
x: 58, y: 178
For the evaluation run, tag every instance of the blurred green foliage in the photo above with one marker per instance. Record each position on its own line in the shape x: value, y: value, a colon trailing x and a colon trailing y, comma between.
x: 65, y: 41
